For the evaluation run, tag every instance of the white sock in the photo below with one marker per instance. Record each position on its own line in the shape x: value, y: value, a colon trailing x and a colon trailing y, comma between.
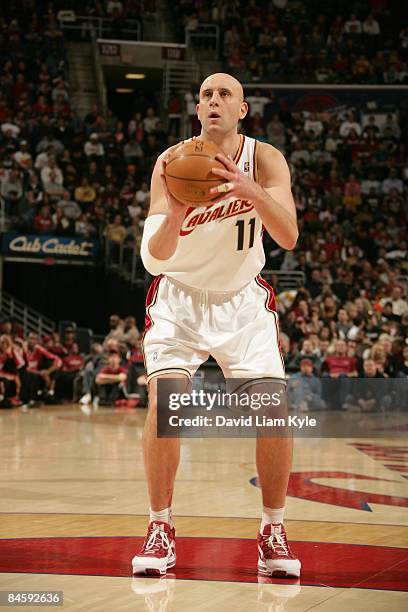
x: 272, y: 515
x: 165, y: 515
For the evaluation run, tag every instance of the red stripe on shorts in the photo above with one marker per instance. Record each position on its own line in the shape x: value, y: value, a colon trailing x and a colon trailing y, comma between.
x: 150, y: 299
x: 271, y: 303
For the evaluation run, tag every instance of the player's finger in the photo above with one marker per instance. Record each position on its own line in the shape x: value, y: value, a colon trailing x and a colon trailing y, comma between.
x: 164, y: 184
x: 223, y: 188
x: 221, y: 172
x: 226, y: 161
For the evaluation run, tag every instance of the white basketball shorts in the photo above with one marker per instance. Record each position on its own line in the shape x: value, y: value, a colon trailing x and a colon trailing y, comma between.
x: 184, y: 326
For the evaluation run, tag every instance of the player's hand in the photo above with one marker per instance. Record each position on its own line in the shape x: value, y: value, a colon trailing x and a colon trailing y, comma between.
x: 175, y: 207
x: 237, y: 185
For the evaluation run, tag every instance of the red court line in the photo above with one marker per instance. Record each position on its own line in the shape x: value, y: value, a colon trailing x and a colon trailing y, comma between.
x: 228, y: 559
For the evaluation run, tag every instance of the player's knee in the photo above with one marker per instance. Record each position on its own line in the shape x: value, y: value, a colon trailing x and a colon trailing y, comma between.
x: 162, y: 387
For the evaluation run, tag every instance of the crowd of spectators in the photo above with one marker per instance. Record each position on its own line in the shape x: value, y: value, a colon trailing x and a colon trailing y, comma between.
x: 52, y: 369
x: 349, y: 317
x: 60, y: 173
x: 88, y: 177
x: 304, y: 40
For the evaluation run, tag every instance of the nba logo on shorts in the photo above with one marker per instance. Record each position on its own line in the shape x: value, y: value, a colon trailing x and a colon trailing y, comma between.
x: 155, y: 356
x: 246, y: 166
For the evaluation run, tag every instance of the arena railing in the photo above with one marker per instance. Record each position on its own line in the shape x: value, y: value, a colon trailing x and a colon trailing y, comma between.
x: 2, y: 215
x: 27, y: 317
x: 124, y: 259
x: 205, y: 38
x: 82, y: 27
x: 285, y: 279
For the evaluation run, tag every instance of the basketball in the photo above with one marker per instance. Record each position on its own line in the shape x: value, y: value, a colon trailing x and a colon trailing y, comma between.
x: 188, y: 172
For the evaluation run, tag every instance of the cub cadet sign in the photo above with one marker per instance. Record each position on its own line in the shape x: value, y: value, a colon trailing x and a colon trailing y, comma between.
x: 48, y: 246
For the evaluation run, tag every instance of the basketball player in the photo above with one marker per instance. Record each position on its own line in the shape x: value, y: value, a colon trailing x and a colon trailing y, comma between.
x: 208, y: 298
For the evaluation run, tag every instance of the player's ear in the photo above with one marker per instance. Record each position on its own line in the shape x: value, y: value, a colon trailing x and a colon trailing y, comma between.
x: 243, y: 110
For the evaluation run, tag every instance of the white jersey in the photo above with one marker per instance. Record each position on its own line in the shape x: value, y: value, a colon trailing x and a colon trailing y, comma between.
x: 220, y: 246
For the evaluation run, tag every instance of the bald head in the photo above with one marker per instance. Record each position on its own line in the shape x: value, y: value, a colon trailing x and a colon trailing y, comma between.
x: 221, y: 105
x: 222, y: 79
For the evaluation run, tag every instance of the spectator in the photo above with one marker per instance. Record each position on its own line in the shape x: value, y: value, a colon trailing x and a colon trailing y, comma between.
x: 314, y: 124
x: 50, y: 173
x: 257, y: 103
x: 10, y: 383
x: 371, y: 26
x: 69, y: 207
x: 111, y: 381
x: 307, y: 353
x: 85, y: 194
x: 38, y: 376
x: 352, y: 25
x: 276, y: 133
x: 116, y: 329
x: 151, y: 121
x: 72, y: 364
x: 370, y: 185
x: 392, y: 182
x: 133, y: 152
x: 190, y: 104
x: 93, y: 149
x: 143, y: 195
x: 49, y: 142
x: 23, y: 156
x: 62, y: 225
x: 304, y: 388
x: 367, y: 395
x: 398, y: 303
x: 12, y: 191
x: 343, y: 325
x: 93, y: 364
x: 43, y: 223
x: 392, y: 126
x: 116, y: 232
x: 348, y: 125
x: 131, y: 334
x: 339, y: 364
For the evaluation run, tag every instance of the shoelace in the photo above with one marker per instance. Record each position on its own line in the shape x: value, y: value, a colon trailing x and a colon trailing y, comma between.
x: 153, y: 543
x: 280, y: 543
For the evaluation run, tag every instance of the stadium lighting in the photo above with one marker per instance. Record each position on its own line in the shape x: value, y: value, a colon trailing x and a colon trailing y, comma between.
x: 137, y: 76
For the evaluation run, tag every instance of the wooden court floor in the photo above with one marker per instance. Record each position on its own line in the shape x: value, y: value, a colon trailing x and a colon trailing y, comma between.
x: 73, y: 505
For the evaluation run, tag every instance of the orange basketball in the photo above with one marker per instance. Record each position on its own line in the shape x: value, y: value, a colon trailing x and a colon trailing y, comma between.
x: 188, y: 172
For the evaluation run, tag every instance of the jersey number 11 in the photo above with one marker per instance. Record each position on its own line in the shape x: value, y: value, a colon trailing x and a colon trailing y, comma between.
x: 241, y: 233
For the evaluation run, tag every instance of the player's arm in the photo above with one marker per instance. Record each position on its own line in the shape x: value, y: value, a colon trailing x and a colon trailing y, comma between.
x: 277, y: 210
x: 271, y: 195
x: 163, y: 224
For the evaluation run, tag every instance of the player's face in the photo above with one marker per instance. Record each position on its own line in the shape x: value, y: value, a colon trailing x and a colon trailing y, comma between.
x: 221, y: 104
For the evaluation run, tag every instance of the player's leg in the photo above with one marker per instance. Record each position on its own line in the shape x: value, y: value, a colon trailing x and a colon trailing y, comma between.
x: 172, y: 350
x: 161, y: 455
x: 254, y: 354
x: 274, y: 463
x: 161, y: 459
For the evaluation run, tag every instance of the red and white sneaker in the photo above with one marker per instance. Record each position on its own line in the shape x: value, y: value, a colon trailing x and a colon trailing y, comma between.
x: 274, y: 555
x: 158, y: 552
